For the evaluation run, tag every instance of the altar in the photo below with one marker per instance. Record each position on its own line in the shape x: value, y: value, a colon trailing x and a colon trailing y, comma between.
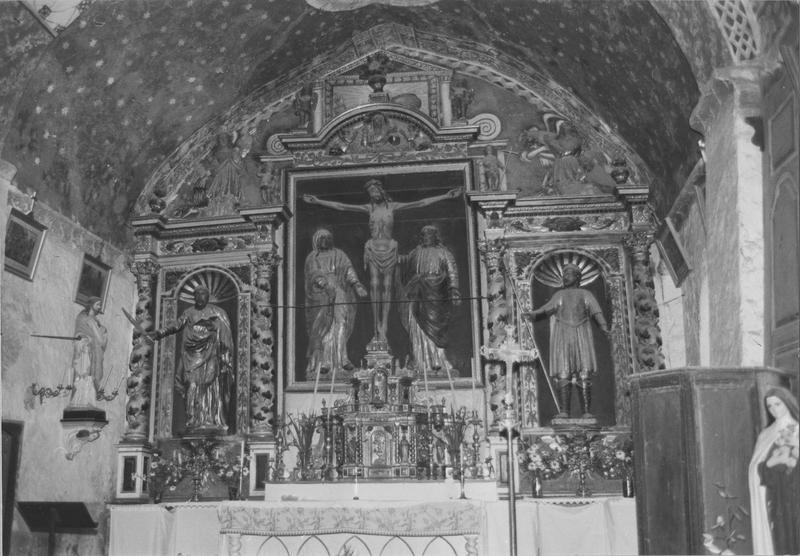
x: 597, y: 525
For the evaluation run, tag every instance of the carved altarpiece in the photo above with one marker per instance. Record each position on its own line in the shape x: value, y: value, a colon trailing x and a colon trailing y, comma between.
x: 504, y: 240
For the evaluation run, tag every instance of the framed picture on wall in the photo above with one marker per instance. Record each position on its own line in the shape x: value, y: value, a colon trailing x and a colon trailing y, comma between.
x: 671, y: 250
x: 93, y: 280
x: 24, y: 241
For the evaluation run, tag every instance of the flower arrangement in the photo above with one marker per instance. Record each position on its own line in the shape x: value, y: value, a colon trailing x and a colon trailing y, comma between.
x: 230, y: 471
x: 612, y: 456
x: 303, y: 428
x: 786, y: 450
x: 162, y: 473
x: 197, y: 459
x: 546, y: 456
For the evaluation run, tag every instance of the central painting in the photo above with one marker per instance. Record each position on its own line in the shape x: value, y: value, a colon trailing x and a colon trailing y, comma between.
x: 382, y: 269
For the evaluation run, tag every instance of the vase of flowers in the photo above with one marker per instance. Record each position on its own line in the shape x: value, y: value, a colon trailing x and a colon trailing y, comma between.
x: 537, y: 487
x: 232, y: 473
x: 303, y: 428
x: 162, y: 474
x: 612, y: 458
x: 543, y: 458
x: 198, y: 460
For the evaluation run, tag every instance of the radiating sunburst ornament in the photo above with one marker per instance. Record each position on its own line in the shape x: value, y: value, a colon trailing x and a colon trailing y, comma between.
x: 220, y: 287
x: 551, y: 271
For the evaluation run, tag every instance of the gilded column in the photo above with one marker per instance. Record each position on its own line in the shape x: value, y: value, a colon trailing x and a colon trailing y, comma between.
x: 492, y: 254
x: 262, y: 359
x: 647, y: 334
x: 137, y: 409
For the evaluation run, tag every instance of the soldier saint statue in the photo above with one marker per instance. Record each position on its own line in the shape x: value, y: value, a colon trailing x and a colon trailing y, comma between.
x: 572, y: 352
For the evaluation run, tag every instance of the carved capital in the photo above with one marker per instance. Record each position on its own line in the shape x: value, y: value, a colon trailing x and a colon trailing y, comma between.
x: 144, y: 272
x: 638, y: 245
x: 740, y: 83
x: 264, y: 263
x: 492, y: 252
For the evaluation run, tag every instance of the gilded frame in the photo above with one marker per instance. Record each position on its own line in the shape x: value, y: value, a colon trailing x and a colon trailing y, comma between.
x: 24, y: 242
x: 299, y: 231
x: 93, y: 280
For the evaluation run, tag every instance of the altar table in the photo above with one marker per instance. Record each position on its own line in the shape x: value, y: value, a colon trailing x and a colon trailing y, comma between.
x: 547, y: 526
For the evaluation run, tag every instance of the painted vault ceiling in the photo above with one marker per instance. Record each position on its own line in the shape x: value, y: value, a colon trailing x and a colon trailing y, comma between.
x: 87, y: 117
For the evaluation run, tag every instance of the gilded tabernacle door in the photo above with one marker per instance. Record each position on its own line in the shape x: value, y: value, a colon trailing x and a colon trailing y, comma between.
x: 381, y: 273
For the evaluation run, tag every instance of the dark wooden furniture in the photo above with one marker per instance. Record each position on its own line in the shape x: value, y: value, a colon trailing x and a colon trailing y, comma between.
x: 694, y: 431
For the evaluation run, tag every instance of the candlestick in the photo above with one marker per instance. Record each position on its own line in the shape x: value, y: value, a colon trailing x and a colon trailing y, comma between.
x: 241, y: 468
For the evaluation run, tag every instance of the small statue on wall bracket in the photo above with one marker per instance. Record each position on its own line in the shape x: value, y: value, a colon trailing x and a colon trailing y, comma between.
x: 88, y: 354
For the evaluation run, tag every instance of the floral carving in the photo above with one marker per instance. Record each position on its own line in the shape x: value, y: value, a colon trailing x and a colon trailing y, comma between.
x: 262, y: 360
x: 646, y: 328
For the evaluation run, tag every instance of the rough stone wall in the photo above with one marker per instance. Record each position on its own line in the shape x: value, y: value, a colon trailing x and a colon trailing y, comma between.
x: 46, y: 306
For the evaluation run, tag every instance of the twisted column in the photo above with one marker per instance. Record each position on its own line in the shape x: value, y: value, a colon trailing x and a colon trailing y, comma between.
x: 140, y: 366
x: 645, y: 325
x: 492, y: 254
x: 262, y: 360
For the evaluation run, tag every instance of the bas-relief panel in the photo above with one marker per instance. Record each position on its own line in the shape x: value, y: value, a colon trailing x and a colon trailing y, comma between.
x: 351, y: 232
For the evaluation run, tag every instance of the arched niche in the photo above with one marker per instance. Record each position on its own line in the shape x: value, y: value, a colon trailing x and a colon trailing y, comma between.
x: 228, y: 293
x: 547, y: 279
x: 535, y: 271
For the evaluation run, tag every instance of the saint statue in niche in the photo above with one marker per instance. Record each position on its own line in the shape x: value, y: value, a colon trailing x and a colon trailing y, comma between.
x: 331, y: 287
x: 204, y: 372
x: 380, y: 250
x: 573, y: 358
x: 430, y: 285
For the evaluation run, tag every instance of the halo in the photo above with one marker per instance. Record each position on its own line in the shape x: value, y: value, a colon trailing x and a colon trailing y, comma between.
x: 550, y: 272
x: 220, y: 288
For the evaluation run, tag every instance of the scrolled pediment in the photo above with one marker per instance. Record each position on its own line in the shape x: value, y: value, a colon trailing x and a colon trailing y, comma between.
x: 376, y: 128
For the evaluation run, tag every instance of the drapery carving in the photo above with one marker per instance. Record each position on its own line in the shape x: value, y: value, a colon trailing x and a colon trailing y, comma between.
x: 646, y: 329
x: 140, y: 365
x: 262, y: 360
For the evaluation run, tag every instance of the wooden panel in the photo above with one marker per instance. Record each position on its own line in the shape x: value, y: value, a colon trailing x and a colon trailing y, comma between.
x: 725, y: 432
x: 663, y: 459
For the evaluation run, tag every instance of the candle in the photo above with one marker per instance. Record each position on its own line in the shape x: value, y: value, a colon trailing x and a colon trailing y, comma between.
x: 241, y: 467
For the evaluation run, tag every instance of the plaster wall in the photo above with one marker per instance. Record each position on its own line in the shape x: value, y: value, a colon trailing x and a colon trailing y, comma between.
x: 670, y: 311
x: 45, y: 306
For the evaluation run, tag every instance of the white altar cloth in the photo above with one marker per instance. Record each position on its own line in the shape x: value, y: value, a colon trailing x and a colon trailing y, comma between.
x: 383, y: 490
x: 547, y: 526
